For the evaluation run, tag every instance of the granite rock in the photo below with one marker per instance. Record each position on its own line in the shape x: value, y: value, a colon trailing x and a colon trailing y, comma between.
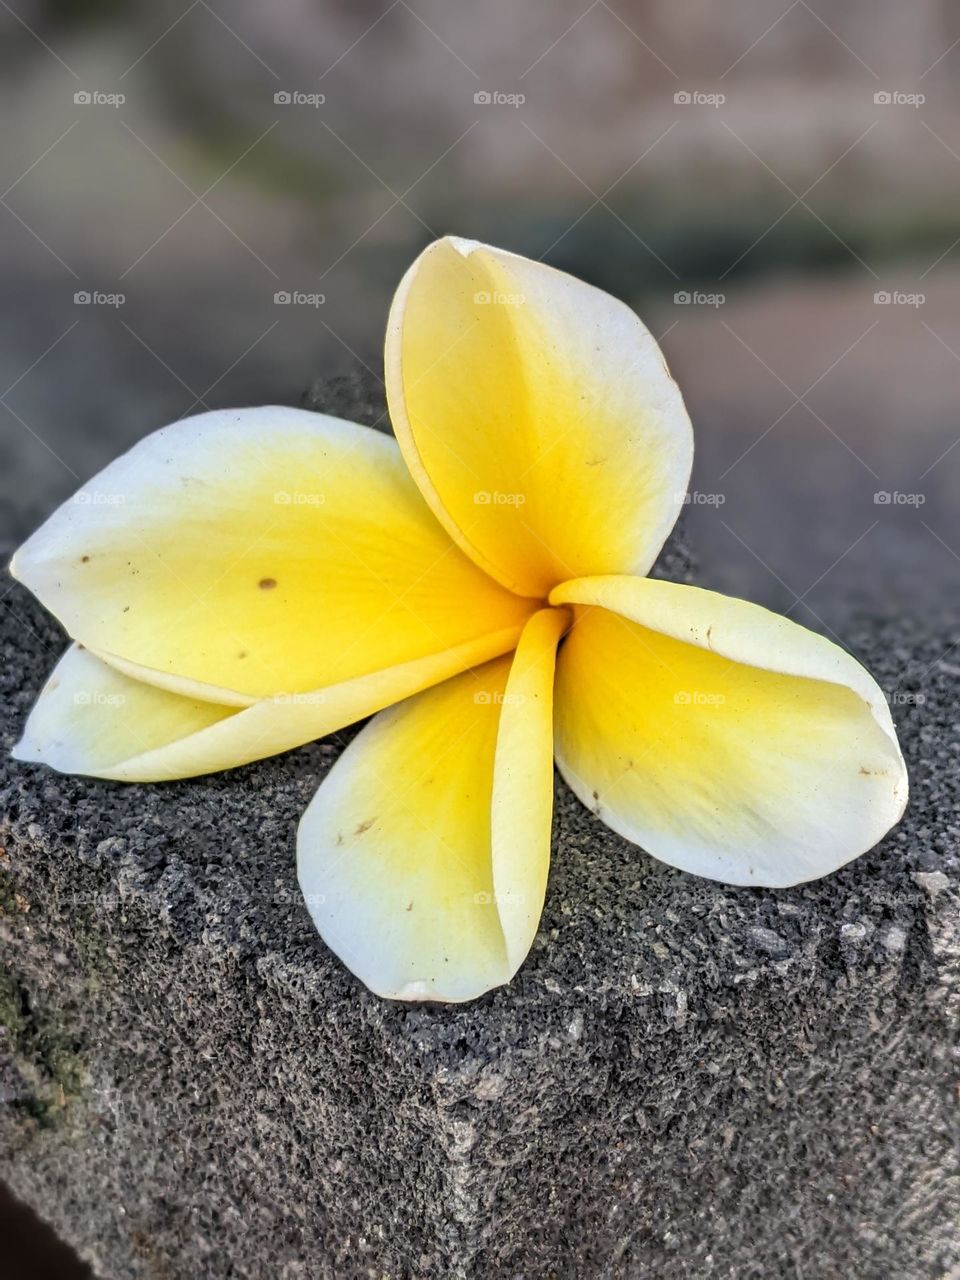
x: 685, y: 1079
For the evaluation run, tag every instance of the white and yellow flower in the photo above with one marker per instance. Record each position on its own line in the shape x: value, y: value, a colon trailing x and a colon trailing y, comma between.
x: 243, y: 582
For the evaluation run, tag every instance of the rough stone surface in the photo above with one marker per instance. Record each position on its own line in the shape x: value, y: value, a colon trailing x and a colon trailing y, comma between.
x: 685, y: 1080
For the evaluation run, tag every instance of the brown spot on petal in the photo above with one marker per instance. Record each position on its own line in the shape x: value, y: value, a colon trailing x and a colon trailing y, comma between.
x: 365, y: 826
x: 267, y: 584
x: 84, y: 559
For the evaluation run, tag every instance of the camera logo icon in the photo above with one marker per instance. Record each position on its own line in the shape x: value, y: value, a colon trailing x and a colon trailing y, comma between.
x: 483, y: 97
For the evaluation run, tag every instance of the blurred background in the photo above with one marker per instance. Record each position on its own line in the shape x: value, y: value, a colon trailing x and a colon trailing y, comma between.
x: 772, y: 185
x: 210, y: 204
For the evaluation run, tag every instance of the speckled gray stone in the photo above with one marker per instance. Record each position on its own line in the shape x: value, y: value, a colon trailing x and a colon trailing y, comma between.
x: 685, y: 1080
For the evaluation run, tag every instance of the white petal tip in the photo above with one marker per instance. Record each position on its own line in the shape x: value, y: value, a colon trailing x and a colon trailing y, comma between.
x: 424, y: 990
x: 421, y: 989
x: 415, y: 991
x: 463, y: 246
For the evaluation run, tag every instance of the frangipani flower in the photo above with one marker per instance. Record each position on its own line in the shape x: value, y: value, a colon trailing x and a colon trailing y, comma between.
x: 245, y: 581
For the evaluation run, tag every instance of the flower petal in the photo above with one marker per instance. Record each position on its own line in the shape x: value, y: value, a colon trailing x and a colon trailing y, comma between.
x: 423, y: 857
x: 537, y: 416
x: 260, y: 551
x: 90, y: 718
x: 722, y: 738
x: 95, y: 717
